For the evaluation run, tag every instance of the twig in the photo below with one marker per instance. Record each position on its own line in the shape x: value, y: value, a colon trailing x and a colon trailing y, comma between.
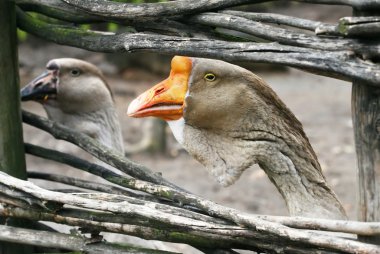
x: 368, y: 27
x: 100, y: 151
x: 357, y: 4
x: 352, y: 227
x: 154, y: 203
x: 281, y: 35
x: 280, y: 19
x: 58, y: 9
x: 90, y: 185
x: 183, y: 198
x: 66, y: 242
x: 206, y: 238
x: 143, y: 11
x: 110, y: 9
x: 200, y: 238
x: 338, y: 64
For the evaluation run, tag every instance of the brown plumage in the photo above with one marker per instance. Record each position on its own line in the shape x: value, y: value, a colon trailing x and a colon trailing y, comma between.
x: 229, y: 119
x: 75, y: 93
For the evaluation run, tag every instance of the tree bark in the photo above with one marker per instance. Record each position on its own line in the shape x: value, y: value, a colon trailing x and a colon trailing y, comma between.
x: 366, y: 123
x: 366, y: 120
x: 12, y: 159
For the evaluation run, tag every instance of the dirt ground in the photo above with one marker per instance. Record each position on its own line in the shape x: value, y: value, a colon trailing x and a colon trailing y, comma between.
x: 321, y: 104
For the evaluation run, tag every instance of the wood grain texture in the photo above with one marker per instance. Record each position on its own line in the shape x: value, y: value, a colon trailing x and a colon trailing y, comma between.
x: 365, y: 103
x: 11, y: 146
x: 12, y: 158
x: 338, y: 61
x: 283, y: 238
x: 366, y: 120
x: 143, y: 11
x: 68, y: 242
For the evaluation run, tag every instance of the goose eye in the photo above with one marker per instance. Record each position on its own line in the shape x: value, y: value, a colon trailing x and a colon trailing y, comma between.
x: 210, y: 77
x: 75, y: 72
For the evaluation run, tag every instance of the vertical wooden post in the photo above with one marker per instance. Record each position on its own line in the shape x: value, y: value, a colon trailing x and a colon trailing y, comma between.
x: 366, y: 122
x: 12, y: 156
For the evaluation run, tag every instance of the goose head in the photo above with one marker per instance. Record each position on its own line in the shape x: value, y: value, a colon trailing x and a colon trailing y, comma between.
x: 75, y: 93
x: 70, y: 84
x: 228, y: 119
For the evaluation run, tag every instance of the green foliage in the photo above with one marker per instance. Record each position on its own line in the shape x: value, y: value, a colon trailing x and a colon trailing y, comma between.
x: 85, y: 26
x: 21, y: 35
x: 112, y: 27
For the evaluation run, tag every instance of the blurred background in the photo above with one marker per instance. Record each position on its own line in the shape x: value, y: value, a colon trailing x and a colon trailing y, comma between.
x: 321, y: 104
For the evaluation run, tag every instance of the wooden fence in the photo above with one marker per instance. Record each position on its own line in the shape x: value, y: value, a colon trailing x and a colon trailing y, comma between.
x: 348, y: 50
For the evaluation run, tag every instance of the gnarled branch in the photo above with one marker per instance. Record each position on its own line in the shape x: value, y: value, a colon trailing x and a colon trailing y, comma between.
x: 261, y: 229
x: 66, y: 242
x: 338, y: 64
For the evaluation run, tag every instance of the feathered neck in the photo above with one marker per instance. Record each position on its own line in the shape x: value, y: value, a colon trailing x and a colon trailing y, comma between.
x: 261, y: 130
x: 102, y: 125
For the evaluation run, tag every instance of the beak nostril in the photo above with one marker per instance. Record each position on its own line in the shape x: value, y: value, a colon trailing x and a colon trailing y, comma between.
x: 159, y: 90
x: 38, y: 84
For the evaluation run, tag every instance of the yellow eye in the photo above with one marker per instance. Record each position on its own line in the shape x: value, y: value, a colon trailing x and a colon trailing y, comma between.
x: 210, y: 77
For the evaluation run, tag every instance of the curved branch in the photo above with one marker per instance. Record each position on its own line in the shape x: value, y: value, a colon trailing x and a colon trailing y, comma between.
x: 142, y: 11
x: 87, y: 184
x: 259, y: 228
x: 117, y: 10
x: 283, y: 36
x: 200, y: 238
x: 278, y: 19
x: 100, y: 151
x: 339, y: 64
x: 66, y: 242
x: 357, y: 4
x: 59, y: 10
x: 350, y: 227
x: 254, y: 220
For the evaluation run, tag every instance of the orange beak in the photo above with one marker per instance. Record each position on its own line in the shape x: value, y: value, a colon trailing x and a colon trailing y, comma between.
x: 166, y: 99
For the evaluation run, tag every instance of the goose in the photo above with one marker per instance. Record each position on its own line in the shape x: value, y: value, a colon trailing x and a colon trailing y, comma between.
x: 75, y: 93
x: 228, y: 119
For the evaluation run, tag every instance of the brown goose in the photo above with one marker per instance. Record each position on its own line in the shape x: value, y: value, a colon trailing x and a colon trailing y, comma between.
x: 75, y: 93
x: 229, y: 119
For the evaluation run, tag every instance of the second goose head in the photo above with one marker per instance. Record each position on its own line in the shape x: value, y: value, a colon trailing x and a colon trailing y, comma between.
x: 75, y: 93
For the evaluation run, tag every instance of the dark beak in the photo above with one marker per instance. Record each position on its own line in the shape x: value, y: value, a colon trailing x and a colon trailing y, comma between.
x: 41, y: 88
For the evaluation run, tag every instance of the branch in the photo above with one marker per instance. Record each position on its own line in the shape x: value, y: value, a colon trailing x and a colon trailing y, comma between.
x: 351, y: 227
x: 279, y: 19
x: 109, y: 9
x: 281, y: 35
x: 244, y: 219
x: 356, y: 4
x: 340, y: 64
x: 253, y: 237
x: 156, y: 204
x: 198, y: 238
x: 368, y: 27
x: 100, y: 151
x: 58, y: 9
x: 89, y: 185
x: 115, y: 10
x: 66, y: 242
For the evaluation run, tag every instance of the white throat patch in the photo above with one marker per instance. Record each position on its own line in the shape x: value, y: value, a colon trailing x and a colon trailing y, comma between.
x: 177, y: 127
